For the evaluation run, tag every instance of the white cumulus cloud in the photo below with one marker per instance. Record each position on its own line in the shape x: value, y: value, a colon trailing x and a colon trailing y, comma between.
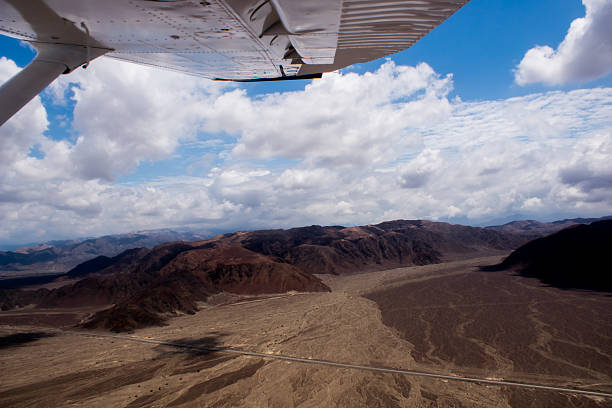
x: 347, y: 149
x: 341, y: 120
x: 585, y: 53
x: 126, y: 114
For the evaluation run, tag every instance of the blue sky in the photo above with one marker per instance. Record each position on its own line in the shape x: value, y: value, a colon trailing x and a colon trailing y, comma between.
x: 477, y: 123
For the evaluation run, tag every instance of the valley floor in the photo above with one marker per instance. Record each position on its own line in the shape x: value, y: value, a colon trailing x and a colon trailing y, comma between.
x: 449, y: 318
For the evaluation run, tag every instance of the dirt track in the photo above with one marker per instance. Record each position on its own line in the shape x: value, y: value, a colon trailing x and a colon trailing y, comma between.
x: 65, y: 370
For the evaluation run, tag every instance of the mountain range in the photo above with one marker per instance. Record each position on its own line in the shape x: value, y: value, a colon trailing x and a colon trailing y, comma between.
x: 56, y: 257
x: 140, y: 286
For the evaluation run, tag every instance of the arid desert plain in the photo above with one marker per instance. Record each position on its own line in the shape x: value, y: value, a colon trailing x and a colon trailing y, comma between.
x: 354, y: 346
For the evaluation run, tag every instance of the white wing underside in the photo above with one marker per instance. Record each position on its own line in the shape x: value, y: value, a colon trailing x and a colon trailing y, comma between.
x: 230, y: 39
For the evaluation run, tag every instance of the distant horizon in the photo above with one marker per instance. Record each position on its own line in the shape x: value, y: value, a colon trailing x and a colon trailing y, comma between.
x: 212, y: 233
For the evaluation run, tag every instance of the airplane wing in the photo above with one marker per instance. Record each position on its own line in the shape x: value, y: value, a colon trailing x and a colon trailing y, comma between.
x: 217, y: 39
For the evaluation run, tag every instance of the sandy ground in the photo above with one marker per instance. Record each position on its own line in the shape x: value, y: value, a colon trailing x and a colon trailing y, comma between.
x: 44, y: 368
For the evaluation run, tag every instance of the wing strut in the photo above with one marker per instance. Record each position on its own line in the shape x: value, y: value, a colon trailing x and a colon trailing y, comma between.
x: 282, y: 78
x: 50, y: 61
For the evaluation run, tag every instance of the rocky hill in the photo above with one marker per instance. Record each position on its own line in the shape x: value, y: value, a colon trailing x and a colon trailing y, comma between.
x: 576, y: 257
x: 168, y: 279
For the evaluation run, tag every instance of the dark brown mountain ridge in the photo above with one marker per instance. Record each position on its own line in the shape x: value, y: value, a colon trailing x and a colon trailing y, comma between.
x: 577, y: 257
x: 339, y: 250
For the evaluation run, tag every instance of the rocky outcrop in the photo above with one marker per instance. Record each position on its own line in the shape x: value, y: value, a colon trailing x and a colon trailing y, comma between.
x: 180, y: 277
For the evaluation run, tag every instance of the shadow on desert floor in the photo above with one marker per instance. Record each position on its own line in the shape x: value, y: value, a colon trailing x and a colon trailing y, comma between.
x: 20, y: 339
